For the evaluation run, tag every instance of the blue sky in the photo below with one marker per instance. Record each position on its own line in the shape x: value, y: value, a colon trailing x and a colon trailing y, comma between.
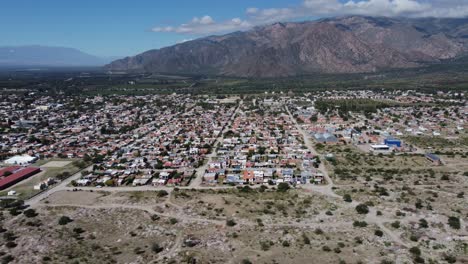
x: 124, y: 27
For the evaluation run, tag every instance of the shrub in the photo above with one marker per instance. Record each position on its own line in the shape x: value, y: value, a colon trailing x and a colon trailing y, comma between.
x: 7, y: 259
x: 156, y: 248
x: 378, y: 233
x: 347, y: 198
x: 10, y: 244
x: 326, y: 249
x: 162, y: 193
x: 306, y: 239
x: 454, y: 222
x: 265, y: 245
x: 414, y: 237
x: 396, y: 224
x: 360, y: 224
x: 63, y: 220
x: 173, y: 221
x: 415, y: 251
x: 230, y: 222
x: 285, y: 244
x: 30, y: 213
x: 246, y: 261
x: 423, y: 223
x: 78, y: 230
x: 9, y: 236
x: 318, y: 231
x: 283, y: 187
x: 450, y: 258
x: 14, y: 211
x: 155, y: 217
x: 362, y: 209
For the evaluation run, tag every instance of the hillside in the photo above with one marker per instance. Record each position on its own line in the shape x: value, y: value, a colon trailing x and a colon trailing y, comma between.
x: 351, y: 44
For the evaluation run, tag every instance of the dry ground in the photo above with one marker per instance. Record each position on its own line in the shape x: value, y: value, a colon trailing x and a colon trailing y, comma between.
x: 227, y: 226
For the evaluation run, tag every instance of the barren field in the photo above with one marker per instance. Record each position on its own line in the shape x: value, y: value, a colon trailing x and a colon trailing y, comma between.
x: 238, y: 225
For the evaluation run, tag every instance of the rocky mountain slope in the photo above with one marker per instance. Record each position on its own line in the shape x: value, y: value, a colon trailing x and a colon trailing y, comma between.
x: 335, y: 45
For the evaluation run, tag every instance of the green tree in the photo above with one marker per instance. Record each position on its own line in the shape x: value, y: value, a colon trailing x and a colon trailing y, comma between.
x: 362, y: 209
x: 63, y: 220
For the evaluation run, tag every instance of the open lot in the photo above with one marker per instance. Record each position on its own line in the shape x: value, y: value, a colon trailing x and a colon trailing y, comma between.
x: 56, y: 164
x: 226, y: 226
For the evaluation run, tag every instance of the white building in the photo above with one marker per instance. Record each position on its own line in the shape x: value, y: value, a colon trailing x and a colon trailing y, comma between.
x: 20, y: 160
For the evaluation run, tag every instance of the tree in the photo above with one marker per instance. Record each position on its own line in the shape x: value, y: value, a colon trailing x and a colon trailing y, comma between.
x: 347, y: 198
x: 415, y: 251
x: 362, y: 209
x: 283, y: 187
x: 423, y: 223
x: 378, y: 233
x: 230, y: 222
x: 63, y: 220
x: 162, y: 193
x: 454, y: 222
x: 156, y: 248
x: 30, y: 213
x: 396, y: 224
x: 360, y: 224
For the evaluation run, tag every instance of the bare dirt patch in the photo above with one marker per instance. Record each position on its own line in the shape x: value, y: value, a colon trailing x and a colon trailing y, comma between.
x: 56, y: 164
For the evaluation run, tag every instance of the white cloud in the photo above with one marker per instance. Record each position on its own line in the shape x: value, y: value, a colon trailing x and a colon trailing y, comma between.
x: 206, y: 25
x: 251, y: 10
x: 184, y: 40
x: 320, y: 8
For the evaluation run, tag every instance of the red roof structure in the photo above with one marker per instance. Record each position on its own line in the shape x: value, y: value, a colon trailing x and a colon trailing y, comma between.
x: 9, y: 169
x: 18, y: 176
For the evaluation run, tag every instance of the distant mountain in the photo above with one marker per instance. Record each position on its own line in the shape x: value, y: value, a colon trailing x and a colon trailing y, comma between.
x: 47, y: 56
x: 336, y: 45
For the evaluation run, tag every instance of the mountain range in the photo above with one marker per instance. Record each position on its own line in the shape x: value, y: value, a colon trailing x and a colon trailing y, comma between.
x: 47, y: 56
x: 351, y: 44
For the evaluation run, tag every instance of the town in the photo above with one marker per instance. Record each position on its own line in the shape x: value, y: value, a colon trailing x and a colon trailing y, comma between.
x: 172, y: 140
x: 341, y: 146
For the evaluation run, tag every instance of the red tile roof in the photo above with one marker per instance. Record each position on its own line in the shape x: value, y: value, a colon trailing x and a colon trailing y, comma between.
x: 10, y: 169
x: 18, y: 176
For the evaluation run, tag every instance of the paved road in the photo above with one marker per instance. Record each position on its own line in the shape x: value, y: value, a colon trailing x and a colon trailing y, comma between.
x: 310, y: 145
x: 201, y: 170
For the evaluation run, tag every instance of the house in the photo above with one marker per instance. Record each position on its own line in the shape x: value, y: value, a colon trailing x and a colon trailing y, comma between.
x: 392, y: 142
x: 209, y: 177
x: 233, y: 178
x: 327, y: 138
x: 380, y: 148
x: 248, y: 176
